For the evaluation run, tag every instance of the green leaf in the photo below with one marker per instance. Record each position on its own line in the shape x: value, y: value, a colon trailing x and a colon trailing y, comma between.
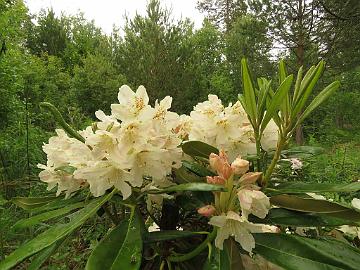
x: 298, y: 187
x: 183, y: 175
x: 188, y: 187
x: 303, y: 151
x: 30, y: 203
x: 129, y: 256
x: 60, y: 120
x: 24, y: 223
x: 219, y: 259
x: 297, y: 84
x: 197, y: 148
x: 310, y: 205
x: 282, y: 71
x: 249, y: 93
x: 279, y: 216
x: 264, y: 93
x: 320, y: 98
x: 59, y: 203
x: 297, y: 253
x: 169, y: 235
x: 197, y: 169
x: 104, y: 254
x: 276, y: 101
x: 44, y: 255
x: 307, y: 87
x: 53, y: 234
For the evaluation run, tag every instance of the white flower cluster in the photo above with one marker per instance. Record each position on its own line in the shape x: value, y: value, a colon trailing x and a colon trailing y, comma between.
x: 228, y: 128
x: 136, y: 140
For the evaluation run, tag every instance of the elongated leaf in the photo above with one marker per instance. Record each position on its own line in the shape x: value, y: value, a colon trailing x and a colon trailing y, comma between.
x: 297, y: 84
x: 197, y: 148
x: 219, y: 260
x: 129, y: 256
x: 303, y: 151
x: 306, y: 92
x: 264, y: 90
x: 188, y: 187
x: 44, y: 255
x: 298, y: 187
x: 169, y: 235
x: 320, y: 98
x: 276, y: 101
x: 105, y: 252
x: 56, y: 204
x: 282, y: 71
x: 298, y: 253
x: 197, y: 169
x: 53, y: 234
x: 30, y: 203
x: 183, y: 175
x: 279, y: 216
x: 285, y: 106
x: 310, y: 205
x: 249, y: 93
x: 24, y: 223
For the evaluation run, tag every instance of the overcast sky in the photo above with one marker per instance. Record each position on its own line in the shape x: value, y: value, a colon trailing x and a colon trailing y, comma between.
x: 106, y: 13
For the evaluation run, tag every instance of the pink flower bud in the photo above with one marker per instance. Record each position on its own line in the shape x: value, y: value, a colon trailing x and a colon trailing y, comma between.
x: 207, y: 210
x: 250, y: 178
x: 240, y: 166
x: 220, y: 164
x: 217, y: 180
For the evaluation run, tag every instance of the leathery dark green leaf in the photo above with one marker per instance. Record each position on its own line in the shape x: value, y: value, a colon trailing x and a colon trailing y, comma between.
x: 188, y: 187
x: 198, y: 148
x: 129, y: 256
x: 169, y: 235
x: 24, y: 223
x: 30, y: 203
x: 44, y: 255
x: 310, y: 205
x: 106, y: 251
x: 53, y: 234
x: 279, y: 216
x: 298, y: 187
x: 297, y: 253
x: 197, y: 169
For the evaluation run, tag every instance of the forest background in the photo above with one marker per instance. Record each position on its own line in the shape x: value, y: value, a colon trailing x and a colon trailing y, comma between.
x: 72, y: 63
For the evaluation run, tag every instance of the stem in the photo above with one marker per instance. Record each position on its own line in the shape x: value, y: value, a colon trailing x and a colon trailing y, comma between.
x: 111, y: 216
x: 270, y: 169
x: 196, y: 251
x: 258, y: 150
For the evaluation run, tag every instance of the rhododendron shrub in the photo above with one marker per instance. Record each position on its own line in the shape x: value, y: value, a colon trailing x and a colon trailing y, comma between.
x: 197, y: 191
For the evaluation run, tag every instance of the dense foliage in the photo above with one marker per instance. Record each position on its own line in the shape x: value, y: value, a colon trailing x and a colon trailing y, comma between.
x: 68, y: 61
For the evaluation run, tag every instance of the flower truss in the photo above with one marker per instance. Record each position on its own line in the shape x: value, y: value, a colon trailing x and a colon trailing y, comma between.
x: 226, y: 215
x: 136, y: 140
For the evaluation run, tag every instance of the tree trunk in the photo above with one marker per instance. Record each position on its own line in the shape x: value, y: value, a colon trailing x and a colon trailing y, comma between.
x: 300, y: 55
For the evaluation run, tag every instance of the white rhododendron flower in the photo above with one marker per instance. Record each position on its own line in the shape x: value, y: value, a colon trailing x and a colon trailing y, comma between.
x: 356, y: 203
x: 228, y: 128
x: 232, y: 224
x: 132, y: 105
x: 253, y: 202
x: 136, y: 140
